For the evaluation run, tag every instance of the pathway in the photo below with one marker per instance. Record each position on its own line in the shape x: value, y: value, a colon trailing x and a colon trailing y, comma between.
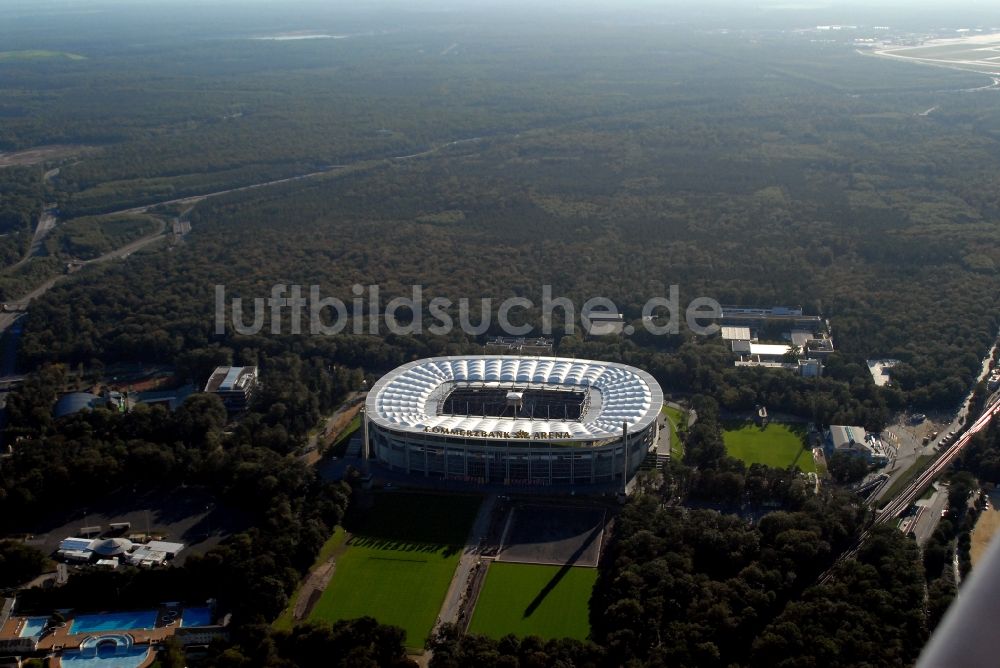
x: 473, y: 548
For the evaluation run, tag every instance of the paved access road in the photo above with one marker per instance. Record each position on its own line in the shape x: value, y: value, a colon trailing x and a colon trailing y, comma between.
x: 897, y: 506
x: 8, y: 318
x: 929, y: 516
x: 48, y: 221
x: 470, y: 555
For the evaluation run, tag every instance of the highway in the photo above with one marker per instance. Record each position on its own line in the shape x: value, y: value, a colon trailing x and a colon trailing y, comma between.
x: 194, y: 199
x: 47, y: 221
x: 16, y: 308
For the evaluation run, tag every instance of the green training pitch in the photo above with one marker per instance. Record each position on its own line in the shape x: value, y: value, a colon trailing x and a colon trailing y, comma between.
x: 779, y: 445
x: 399, y: 562
x: 678, y: 425
x: 531, y: 599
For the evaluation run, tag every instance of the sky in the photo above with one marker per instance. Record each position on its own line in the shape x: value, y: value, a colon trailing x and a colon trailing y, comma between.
x: 729, y: 13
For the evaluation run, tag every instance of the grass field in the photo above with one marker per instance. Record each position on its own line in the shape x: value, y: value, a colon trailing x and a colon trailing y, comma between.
x: 286, y: 620
x: 678, y: 424
x: 399, y: 562
x: 529, y: 599
x: 779, y: 445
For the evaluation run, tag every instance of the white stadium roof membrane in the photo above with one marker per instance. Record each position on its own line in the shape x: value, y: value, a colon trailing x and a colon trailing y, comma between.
x: 406, y: 398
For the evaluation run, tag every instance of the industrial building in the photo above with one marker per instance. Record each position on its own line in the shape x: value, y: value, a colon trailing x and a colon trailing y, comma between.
x: 514, y: 420
x: 756, y: 318
x: 236, y: 385
x: 114, y: 551
x: 776, y: 338
x: 855, y: 440
x: 603, y: 322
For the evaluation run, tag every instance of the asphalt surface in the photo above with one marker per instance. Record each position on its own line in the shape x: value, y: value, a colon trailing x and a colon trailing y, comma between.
x: 909, y: 447
x: 8, y: 318
x: 929, y: 516
x: 473, y: 545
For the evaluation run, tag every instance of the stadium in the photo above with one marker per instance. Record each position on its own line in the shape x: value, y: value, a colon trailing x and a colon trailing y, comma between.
x: 514, y: 420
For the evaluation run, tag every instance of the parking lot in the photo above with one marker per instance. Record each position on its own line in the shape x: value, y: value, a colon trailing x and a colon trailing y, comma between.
x: 185, y: 515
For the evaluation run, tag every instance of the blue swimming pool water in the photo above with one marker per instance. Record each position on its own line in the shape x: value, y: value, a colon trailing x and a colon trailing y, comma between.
x: 122, y: 658
x: 33, y: 626
x: 196, y: 617
x: 114, y: 621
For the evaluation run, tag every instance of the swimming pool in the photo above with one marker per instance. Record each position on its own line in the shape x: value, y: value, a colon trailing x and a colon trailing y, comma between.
x: 114, y: 621
x: 105, y: 657
x: 33, y: 627
x: 197, y: 617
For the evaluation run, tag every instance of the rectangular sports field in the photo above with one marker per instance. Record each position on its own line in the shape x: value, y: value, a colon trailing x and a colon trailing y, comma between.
x: 399, y: 562
x: 554, y: 535
x: 778, y: 445
x: 531, y: 599
x: 677, y: 423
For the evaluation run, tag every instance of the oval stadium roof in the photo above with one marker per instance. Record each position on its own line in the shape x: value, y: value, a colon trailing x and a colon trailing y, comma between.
x: 406, y: 398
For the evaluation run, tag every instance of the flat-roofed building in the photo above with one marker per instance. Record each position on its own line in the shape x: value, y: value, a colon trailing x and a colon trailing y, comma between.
x: 171, y: 399
x: 75, y: 549
x: 801, y: 338
x: 236, y: 385
x: 599, y: 322
x: 820, y: 348
x: 753, y: 317
x: 518, y: 345
x: 155, y: 553
x: 854, y: 440
x: 769, y: 351
x: 810, y: 368
x: 731, y: 333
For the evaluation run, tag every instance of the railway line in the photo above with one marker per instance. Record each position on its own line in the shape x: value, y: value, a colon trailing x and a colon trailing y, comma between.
x: 909, y: 494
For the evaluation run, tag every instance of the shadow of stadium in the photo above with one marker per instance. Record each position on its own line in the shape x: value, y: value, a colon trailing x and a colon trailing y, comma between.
x: 561, y: 573
x: 557, y: 524
x: 402, y: 546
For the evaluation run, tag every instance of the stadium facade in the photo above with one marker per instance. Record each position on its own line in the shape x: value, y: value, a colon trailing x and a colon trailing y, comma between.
x: 515, y: 420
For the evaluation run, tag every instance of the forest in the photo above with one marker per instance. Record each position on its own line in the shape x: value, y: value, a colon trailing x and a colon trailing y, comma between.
x: 678, y: 585
x: 840, y: 201
x: 285, y: 511
x: 487, y: 159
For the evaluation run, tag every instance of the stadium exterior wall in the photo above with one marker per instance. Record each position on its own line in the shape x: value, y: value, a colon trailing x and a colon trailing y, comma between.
x: 516, y: 461
x: 509, y: 462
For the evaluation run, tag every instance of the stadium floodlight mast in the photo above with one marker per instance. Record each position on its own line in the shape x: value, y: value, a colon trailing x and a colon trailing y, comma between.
x: 366, y: 476
x: 625, y: 466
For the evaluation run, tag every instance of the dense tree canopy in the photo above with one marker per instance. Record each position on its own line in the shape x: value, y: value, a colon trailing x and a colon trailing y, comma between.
x: 601, y: 159
x: 19, y: 563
